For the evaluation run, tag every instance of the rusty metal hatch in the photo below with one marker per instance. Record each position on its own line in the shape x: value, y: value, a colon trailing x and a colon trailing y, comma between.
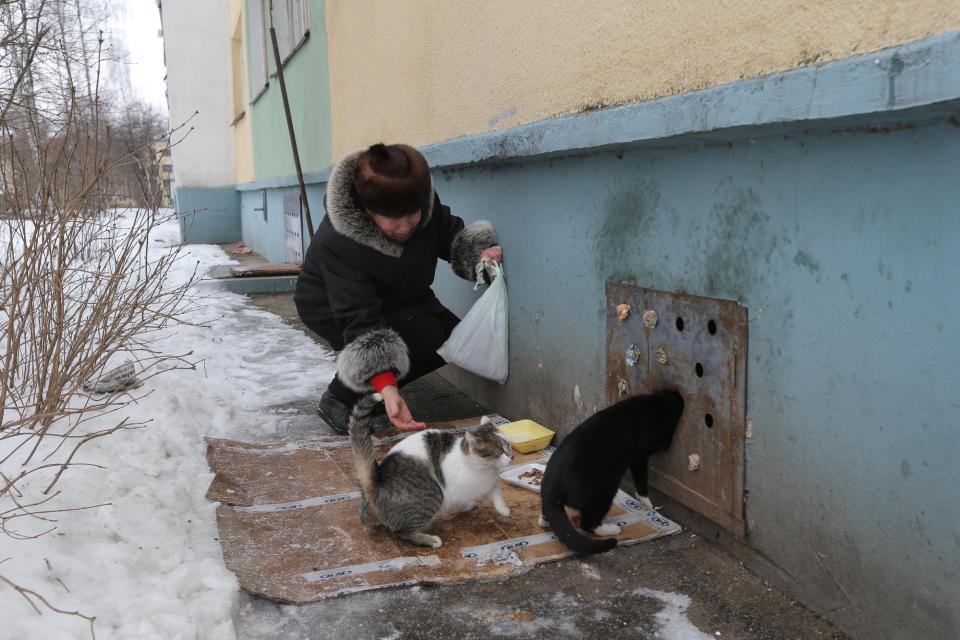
x: 699, y: 346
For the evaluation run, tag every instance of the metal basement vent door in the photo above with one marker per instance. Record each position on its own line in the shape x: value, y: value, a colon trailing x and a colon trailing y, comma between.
x: 697, y: 345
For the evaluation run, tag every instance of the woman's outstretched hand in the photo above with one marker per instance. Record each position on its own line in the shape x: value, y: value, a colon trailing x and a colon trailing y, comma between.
x: 398, y: 411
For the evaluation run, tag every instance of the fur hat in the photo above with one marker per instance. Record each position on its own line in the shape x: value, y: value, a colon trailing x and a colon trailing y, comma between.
x: 393, y: 180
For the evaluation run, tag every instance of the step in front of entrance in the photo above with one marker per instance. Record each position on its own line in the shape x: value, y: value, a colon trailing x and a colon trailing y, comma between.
x: 251, y: 284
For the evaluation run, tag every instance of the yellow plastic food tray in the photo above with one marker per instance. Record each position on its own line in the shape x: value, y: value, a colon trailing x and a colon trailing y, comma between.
x: 526, y: 436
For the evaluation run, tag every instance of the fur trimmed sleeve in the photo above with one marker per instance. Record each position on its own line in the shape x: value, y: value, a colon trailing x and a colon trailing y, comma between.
x: 371, y: 353
x: 467, y: 246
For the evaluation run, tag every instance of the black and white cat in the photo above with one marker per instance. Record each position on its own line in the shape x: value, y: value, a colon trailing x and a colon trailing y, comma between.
x: 585, y: 471
x: 427, y: 474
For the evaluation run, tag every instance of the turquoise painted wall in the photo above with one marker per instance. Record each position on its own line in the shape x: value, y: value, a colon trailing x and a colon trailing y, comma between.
x: 208, y: 215
x: 846, y: 249
x: 307, y: 80
x: 266, y: 232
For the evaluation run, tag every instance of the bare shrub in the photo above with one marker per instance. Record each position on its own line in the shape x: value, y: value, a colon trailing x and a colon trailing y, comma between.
x: 81, y: 287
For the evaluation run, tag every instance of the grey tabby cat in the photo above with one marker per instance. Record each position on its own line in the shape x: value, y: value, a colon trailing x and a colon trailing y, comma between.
x: 427, y: 474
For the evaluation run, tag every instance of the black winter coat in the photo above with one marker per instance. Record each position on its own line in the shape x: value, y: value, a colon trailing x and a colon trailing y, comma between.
x: 355, y: 280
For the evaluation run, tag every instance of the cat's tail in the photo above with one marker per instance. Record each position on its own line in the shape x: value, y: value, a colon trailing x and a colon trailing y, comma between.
x: 364, y: 461
x: 559, y: 521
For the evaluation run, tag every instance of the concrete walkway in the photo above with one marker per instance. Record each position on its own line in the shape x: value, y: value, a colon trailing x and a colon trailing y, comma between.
x: 681, y: 587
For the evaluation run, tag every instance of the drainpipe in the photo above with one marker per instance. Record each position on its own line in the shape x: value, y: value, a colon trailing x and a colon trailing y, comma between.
x: 286, y: 110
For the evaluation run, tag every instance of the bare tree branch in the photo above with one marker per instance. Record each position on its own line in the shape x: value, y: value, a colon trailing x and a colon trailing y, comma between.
x: 33, y: 597
x: 82, y: 287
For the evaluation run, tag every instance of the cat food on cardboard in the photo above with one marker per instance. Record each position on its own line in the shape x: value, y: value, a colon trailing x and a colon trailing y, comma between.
x: 528, y: 476
x: 535, y: 475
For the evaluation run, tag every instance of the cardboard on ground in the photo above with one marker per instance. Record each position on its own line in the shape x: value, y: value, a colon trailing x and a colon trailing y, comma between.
x: 289, y: 527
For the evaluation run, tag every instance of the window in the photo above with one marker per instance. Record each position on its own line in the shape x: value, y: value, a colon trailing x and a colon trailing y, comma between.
x: 237, y: 64
x: 291, y: 19
x: 256, y: 38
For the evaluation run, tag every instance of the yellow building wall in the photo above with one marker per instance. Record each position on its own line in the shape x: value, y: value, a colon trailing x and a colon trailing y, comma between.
x: 420, y: 71
x: 242, y: 130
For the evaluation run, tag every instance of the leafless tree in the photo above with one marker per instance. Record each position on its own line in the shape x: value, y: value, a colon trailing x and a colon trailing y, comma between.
x: 81, y: 287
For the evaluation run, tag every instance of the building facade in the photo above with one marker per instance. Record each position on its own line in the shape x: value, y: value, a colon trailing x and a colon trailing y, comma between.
x: 199, y: 84
x: 798, y: 158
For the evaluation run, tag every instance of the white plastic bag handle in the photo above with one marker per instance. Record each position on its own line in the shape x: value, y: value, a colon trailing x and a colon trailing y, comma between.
x: 488, y: 266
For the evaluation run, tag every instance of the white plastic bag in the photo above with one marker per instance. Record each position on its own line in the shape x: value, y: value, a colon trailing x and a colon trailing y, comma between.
x: 479, y: 343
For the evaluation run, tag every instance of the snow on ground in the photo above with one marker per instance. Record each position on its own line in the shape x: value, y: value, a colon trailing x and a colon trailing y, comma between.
x: 564, y: 614
x: 149, y: 564
x: 673, y: 621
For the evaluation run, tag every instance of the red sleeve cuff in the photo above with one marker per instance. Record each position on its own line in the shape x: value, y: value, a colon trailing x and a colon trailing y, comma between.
x: 382, y: 380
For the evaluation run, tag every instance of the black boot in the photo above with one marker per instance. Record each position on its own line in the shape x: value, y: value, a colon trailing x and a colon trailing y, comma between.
x: 335, y: 413
x: 336, y: 403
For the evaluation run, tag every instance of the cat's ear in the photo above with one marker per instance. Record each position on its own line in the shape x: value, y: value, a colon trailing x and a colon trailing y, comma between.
x: 470, y: 439
x: 487, y: 428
